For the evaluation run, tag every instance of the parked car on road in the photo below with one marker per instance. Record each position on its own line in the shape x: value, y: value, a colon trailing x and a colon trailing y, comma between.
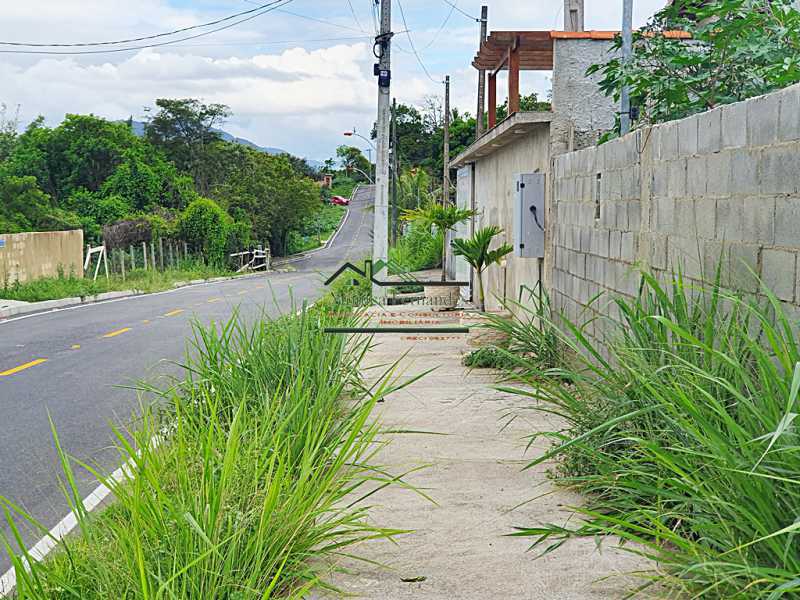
x: 340, y: 200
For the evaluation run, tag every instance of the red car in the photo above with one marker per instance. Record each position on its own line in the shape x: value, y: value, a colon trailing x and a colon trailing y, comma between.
x: 340, y: 200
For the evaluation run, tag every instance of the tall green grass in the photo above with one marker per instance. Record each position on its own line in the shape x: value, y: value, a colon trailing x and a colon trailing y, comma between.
x: 246, y: 480
x: 680, y: 428
x: 419, y: 248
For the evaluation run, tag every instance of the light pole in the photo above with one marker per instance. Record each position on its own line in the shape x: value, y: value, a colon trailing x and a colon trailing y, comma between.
x: 371, y: 181
x: 371, y: 145
x: 356, y: 134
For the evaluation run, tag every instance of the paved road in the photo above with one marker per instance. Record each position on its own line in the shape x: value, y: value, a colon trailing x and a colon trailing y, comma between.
x: 92, y: 350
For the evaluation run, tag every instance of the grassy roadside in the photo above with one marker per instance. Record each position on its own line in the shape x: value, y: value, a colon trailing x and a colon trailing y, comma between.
x: 70, y: 286
x: 242, y: 496
x: 680, y: 431
x: 343, y: 186
x: 327, y: 222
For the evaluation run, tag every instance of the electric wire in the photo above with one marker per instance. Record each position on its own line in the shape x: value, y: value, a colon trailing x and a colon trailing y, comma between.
x: 463, y: 12
x: 147, y: 37
x: 411, y: 43
x: 438, y: 33
x: 277, y: 42
x: 355, y: 16
x: 301, y: 16
x: 259, y: 12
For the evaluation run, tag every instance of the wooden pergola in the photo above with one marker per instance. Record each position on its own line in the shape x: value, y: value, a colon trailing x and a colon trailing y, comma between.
x: 515, y: 51
x: 527, y: 51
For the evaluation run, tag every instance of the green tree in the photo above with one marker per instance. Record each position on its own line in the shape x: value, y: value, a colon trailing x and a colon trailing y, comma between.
x: 185, y: 129
x: 443, y: 218
x: 25, y: 207
x: 205, y: 225
x: 81, y: 153
x: 738, y: 49
x: 96, y: 210
x: 414, y: 189
x: 8, y: 131
x: 476, y: 251
x: 274, y: 196
x: 527, y: 103
x: 354, y: 162
x: 147, y: 180
x: 301, y: 166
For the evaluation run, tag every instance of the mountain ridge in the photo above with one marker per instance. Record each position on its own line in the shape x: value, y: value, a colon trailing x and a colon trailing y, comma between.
x: 138, y: 129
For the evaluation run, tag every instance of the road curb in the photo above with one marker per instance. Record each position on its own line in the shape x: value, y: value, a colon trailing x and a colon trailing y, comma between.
x: 47, y: 305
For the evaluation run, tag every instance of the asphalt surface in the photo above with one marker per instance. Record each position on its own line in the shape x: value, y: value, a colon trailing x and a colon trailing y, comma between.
x: 92, y: 352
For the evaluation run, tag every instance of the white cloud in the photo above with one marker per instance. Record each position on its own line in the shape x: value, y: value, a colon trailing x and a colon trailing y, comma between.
x: 300, y: 98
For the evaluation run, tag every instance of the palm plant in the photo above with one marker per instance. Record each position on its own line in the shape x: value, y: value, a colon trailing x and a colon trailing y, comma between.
x: 443, y: 217
x: 477, y: 253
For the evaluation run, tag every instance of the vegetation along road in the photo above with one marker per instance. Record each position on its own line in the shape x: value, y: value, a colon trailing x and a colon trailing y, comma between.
x: 73, y: 366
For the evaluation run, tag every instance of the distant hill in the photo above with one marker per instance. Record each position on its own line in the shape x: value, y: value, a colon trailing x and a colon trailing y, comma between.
x: 138, y: 129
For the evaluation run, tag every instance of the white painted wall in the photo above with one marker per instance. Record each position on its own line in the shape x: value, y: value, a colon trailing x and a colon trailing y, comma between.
x: 495, y: 192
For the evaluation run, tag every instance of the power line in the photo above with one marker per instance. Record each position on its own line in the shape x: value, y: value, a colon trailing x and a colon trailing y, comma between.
x: 278, y: 42
x: 355, y: 16
x: 411, y: 43
x: 252, y: 15
x: 444, y: 24
x: 330, y: 23
x: 466, y: 14
x: 300, y: 16
x: 149, y: 37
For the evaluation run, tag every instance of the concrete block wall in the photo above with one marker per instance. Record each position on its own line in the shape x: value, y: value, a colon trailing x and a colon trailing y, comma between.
x: 581, y: 113
x: 27, y: 256
x: 718, y: 187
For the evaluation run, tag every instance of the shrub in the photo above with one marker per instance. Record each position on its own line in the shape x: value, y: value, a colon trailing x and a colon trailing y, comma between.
x: 489, y: 357
x: 418, y: 249
x: 206, y: 226
x: 258, y: 475
x: 679, y: 427
x: 127, y: 233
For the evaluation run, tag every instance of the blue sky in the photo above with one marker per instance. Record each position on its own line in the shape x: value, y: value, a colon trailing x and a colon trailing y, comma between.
x: 295, y: 78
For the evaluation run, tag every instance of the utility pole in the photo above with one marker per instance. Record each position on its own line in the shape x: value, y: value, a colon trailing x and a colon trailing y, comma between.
x: 369, y: 158
x: 481, y: 76
x: 380, y: 233
x: 446, y: 149
x: 573, y: 15
x: 395, y: 171
x: 627, y: 51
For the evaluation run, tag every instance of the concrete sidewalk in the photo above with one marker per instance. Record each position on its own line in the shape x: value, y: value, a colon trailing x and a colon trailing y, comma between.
x: 460, y: 548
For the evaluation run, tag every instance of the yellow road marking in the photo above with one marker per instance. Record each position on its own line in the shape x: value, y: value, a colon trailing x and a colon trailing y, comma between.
x: 27, y: 365
x: 146, y: 321
x: 174, y: 312
x: 212, y: 300
x: 76, y: 346
x: 260, y: 287
x: 117, y: 332
x: 242, y: 292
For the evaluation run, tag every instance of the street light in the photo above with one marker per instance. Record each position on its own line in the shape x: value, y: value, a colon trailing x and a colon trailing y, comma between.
x: 371, y: 182
x: 371, y: 145
x: 354, y: 133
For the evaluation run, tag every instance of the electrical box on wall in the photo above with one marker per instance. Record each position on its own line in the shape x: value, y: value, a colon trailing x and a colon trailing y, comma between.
x: 529, y: 222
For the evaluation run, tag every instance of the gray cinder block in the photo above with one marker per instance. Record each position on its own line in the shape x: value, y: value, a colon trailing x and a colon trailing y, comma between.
x: 687, y: 136
x: 709, y: 131
x: 762, y: 119
x: 778, y: 272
